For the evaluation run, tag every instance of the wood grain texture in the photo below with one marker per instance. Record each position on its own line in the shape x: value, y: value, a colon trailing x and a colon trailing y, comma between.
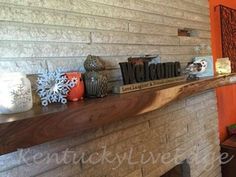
x: 57, y: 121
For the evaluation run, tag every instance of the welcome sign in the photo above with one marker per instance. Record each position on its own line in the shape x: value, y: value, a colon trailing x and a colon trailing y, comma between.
x: 132, y: 73
x: 148, y: 75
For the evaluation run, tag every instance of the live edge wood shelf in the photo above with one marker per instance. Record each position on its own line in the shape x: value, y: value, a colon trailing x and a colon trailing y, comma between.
x: 40, y: 124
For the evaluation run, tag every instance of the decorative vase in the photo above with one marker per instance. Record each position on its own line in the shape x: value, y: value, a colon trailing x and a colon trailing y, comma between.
x: 77, y: 92
x: 15, y: 93
x: 96, y: 82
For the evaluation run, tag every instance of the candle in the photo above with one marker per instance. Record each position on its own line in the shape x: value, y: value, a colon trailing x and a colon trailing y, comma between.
x: 15, y: 93
x: 223, y: 66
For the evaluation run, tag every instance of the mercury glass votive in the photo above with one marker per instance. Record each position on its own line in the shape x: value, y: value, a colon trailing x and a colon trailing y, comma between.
x: 223, y: 66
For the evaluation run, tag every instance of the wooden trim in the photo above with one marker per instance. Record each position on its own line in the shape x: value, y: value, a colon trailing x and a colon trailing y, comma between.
x: 40, y: 125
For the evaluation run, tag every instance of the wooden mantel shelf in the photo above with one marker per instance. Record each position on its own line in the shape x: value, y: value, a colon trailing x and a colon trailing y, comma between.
x: 40, y: 125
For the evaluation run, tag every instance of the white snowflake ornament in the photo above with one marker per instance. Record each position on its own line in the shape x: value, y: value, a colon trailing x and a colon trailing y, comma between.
x: 53, y: 87
x: 21, y: 97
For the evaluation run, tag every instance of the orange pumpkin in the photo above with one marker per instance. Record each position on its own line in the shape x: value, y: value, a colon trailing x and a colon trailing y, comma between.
x: 77, y: 92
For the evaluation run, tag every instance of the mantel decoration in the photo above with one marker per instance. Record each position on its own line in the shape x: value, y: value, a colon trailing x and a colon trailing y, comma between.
x: 200, y: 67
x: 77, y: 92
x: 223, y: 66
x: 53, y: 87
x: 96, y: 82
x: 15, y: 93
x: 147, y: 72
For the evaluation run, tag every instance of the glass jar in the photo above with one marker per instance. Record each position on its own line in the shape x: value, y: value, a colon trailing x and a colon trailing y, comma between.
x: 15, y: 93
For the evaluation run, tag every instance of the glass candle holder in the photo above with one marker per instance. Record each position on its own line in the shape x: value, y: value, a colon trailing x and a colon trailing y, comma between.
x: 223, y: 66
x: 15, y: 93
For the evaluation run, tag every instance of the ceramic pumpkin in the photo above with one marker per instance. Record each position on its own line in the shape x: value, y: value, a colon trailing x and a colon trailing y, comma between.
x: 77, y: 92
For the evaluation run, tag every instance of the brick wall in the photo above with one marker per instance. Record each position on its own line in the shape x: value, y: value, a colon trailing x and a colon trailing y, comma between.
x: 45, y: 34
x: 187, y: 129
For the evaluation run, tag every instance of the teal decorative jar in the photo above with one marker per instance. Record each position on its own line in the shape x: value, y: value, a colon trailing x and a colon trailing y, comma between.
x: 96, y: 82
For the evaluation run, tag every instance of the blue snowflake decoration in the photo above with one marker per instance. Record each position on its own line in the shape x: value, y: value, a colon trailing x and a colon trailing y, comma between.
x: 53, y: 87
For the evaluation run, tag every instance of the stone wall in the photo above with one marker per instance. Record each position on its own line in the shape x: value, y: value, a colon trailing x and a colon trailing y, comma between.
x: 46, y: 34
x: 187, y: 130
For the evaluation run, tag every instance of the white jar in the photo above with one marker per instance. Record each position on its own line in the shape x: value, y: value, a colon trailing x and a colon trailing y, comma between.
x: 15, y: 93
